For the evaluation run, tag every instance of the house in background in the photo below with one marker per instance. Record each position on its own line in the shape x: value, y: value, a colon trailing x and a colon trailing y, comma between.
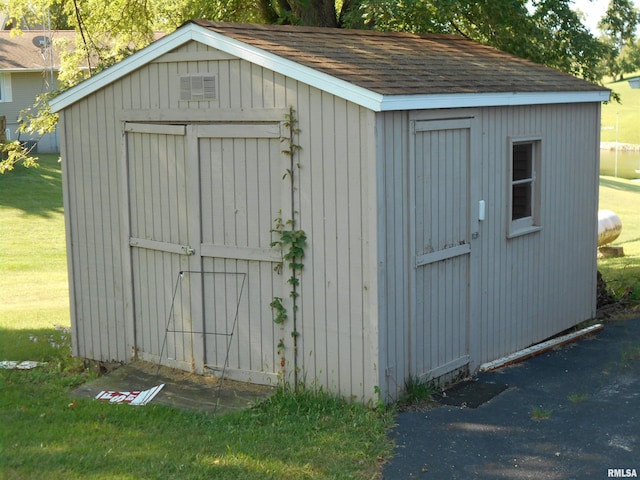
x: 29, y: 65
x: 448, y: 192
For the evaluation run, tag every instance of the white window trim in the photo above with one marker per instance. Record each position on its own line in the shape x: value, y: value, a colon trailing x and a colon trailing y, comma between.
x: 531, y: 224
x: 5, y: 88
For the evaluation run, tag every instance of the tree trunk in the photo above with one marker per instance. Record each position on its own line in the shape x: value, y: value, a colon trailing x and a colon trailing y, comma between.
x: 315, y: 13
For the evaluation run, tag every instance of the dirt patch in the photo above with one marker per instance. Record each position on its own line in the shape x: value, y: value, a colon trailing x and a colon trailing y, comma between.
x: 181, y: 389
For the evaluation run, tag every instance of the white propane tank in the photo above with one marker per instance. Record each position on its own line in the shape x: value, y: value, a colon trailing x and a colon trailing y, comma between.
x: 609, y: 227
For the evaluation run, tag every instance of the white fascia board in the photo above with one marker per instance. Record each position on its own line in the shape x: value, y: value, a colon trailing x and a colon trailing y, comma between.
x: 291, y: 69
x: 129, y: 64
x: 465, y: 100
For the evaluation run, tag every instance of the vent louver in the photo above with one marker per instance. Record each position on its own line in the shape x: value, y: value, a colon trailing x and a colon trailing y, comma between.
x: 198, y: 87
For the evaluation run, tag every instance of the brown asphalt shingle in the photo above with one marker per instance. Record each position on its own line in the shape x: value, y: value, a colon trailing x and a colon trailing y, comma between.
x: 402, y: 63
x: 19, y: 52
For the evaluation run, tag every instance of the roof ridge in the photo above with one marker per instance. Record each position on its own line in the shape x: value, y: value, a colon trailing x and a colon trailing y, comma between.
x: 325, y: 30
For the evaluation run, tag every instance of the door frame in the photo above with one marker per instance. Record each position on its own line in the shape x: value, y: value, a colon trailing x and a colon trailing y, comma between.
x: 469, y: 117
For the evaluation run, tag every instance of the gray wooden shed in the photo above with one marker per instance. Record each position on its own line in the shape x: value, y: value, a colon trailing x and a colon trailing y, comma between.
x: 448, y: 192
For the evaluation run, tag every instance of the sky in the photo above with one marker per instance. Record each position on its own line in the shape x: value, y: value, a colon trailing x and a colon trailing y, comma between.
x: 594, y: 11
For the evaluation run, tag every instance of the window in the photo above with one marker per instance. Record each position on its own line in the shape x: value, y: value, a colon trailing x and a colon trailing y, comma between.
x: 5, y: 87
x: 524, y: 186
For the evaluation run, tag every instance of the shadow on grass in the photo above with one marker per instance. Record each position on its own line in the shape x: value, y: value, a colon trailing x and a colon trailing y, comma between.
x: 41, y: 345
x: 615, y: 184
x: 622, y: 277
x: 35, y: 191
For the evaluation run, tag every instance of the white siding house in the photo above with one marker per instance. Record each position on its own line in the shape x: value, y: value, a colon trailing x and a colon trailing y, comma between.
x: 29, y: 65
x: 448, y: 193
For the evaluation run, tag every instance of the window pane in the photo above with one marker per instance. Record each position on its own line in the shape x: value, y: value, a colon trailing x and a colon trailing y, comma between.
x: 521, y: 201
x: 522, y: 161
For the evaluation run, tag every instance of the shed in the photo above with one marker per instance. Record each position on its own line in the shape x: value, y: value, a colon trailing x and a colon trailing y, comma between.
x: 448, y: 192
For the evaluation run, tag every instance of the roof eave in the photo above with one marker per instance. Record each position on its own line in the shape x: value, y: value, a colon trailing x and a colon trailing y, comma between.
x: 28, y: 69
x: 122, y: 68
x: 500, y: 99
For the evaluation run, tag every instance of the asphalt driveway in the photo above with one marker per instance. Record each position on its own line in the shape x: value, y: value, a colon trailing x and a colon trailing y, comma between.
x: 570, y: 413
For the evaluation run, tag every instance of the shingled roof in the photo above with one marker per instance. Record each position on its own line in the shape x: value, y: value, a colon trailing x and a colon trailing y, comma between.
x: 377, y: 70
x: 30, y: 50
x: 402, y: 63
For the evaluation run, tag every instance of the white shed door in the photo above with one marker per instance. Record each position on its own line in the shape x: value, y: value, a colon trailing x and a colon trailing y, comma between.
x: 202, y: 200
x: 441, y: 186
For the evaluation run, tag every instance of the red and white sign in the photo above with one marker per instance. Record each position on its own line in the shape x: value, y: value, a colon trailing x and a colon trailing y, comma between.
x: 137, y: 397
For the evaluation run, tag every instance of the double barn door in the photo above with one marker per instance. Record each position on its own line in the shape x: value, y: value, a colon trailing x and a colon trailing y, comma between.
x: 201, y: 198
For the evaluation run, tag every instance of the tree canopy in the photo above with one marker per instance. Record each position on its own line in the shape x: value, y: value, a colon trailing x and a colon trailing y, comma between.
x: 545, y: 31
x: 619, y: 25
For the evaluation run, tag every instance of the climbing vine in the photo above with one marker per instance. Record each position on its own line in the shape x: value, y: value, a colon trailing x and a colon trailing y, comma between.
x: 291, y: 241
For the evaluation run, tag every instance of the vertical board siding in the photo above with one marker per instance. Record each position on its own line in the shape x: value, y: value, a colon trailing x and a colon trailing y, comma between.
x: 537, y: 285
x: 335, y: 303
x: 92, y: 215
x: 393, y: 238
x: 337, y: 344
x: 530, y: 287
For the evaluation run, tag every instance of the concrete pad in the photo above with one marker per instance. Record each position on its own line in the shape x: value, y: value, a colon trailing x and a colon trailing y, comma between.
x: 182, y: 390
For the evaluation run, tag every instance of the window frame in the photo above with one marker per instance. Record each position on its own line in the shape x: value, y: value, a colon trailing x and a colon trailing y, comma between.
x: 5, y: 87
x: 531, y: 223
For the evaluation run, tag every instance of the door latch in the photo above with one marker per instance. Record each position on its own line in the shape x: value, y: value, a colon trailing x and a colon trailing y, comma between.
x: 189, y: 250
x: 475, y: 235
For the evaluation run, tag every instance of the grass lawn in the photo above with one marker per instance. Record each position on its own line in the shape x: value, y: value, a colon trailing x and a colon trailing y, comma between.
x: 626, y: 113
x: 623, y: 197
x: 46, y: 434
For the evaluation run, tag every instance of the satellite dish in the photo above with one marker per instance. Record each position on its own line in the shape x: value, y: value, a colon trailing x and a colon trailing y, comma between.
x: 41, y: 41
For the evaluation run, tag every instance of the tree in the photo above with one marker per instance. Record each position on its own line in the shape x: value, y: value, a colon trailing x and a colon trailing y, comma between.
x: 108, y: 32
x: 619, y: 26
x: 545, y: 31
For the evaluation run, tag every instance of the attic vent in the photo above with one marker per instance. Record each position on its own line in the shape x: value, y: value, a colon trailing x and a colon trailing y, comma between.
x: 198, y: 87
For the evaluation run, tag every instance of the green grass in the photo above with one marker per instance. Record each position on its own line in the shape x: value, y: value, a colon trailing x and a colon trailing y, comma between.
x: 45, y: 433
x: 416, y: 392
x: 627, y: 114
x: 622, y: 274
x: 309, y: 435
x: 540, y: 413
x: 630, y: 353
x: 32, y: 248
x: 576, y: 398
